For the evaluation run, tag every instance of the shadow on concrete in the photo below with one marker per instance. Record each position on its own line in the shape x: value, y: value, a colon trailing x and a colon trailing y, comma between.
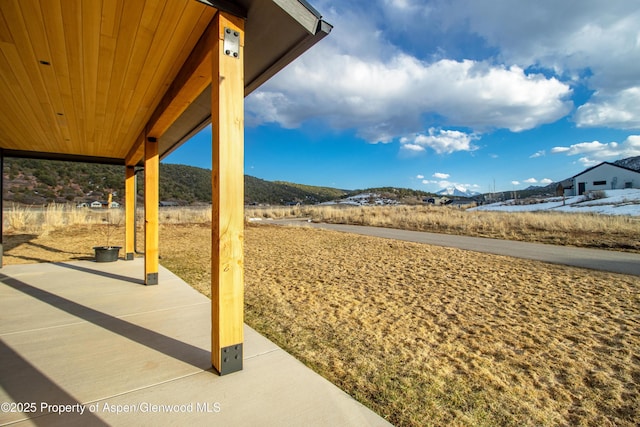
x: 28, y: 386
x: 101, y: 273
x: 176, y: 349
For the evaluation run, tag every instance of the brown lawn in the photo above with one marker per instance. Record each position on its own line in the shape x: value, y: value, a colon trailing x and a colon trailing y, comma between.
x: 423, y: 335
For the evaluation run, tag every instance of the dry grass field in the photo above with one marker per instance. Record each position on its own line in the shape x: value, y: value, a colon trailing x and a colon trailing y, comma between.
x: 557, y: 228
x: 423, y: 335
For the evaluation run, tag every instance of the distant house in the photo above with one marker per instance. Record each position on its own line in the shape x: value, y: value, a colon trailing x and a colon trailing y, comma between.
x: 605, y: 176
x: 102, y: 205
x: 438, y: 201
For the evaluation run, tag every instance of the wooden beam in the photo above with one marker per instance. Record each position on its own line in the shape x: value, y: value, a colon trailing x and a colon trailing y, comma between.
x: 136, y: 153
x: 193, y: 78
x: 151, y: 200
x: 130, y: 213
x: 227, y: 225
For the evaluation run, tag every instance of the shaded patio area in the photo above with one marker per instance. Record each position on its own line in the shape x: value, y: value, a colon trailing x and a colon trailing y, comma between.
x: 91, y: 340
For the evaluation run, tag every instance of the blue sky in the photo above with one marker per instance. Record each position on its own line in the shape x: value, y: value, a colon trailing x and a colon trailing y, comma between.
x: 480, y: 94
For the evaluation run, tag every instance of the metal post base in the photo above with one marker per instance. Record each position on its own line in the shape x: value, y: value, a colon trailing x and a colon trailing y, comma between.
x: 231, y: 360
x: 152, y: 279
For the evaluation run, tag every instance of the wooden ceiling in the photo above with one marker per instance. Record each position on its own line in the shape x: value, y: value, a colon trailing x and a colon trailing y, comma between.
x: 82, y: 78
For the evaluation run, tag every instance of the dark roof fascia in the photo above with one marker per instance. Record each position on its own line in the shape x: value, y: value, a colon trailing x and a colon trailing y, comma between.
x: 227, y: 6
x: 604, y: 163
x: 21, y: 154
x: 311, y: 8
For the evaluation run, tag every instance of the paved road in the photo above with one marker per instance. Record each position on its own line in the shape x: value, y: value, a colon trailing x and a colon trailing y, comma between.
x: 613, y: 261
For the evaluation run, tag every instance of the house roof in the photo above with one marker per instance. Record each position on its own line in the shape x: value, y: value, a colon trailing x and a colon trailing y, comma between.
x: 82, y: 80
x: 604, y: 163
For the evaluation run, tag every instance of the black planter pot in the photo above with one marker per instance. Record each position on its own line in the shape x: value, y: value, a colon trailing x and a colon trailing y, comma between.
x: 107, y: 253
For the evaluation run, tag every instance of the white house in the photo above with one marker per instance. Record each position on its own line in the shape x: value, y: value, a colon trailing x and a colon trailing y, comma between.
x: 605, y: 176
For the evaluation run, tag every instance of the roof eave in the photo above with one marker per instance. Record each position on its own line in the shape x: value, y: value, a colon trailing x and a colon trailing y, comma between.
x: 323, y: 30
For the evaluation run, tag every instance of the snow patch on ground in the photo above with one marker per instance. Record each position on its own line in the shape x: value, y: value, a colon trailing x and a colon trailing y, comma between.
x: 616, y: 202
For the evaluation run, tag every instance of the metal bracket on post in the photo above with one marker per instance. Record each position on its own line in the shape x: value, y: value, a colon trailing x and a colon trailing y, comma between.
x: 231, y: 359
x: 152, y: 279
x: 231, y: 44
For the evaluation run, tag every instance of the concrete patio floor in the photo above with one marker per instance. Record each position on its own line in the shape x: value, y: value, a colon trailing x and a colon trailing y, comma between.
x: 92, y: 337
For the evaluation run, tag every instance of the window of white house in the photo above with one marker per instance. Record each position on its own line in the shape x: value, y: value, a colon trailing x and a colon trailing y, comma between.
x: 599, y: 182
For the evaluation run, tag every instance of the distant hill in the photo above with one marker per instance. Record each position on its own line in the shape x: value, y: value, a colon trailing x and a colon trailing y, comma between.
x: 38, y: 182
x: 259, y: 191
x: 629, y: 163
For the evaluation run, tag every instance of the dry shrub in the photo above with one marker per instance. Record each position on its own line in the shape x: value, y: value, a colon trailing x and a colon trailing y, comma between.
x: 275, y: 212
x: 185, y: 215
x: 45, y: 219
x: 22, y: 220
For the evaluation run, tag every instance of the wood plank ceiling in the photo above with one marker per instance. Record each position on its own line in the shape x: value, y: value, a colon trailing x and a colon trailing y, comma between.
x: 83, y: 77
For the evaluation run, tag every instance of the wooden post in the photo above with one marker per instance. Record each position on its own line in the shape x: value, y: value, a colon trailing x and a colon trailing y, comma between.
x: 130, y: 212
x: 151, y: 200
x: 1, y: 206
x: 227, y: 225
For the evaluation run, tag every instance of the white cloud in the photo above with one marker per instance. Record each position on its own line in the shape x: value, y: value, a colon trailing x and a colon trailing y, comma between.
x: 544, y: 181
x: 413, y: 148
x: 540, y: 153
x: 442, y: 184
x: 358, y: 79
x: 587, y: 162
x: 428, y: 181
x: 599, y: 151
x: 441, y: 141
x: 440, y: 175
x: 397, y: 67
x: 405, y: 5
x: 420, y: 176
x: 618, y: 110
x: 597, y: 43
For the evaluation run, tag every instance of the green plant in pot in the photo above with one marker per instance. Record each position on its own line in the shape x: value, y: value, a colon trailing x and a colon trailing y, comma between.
x: 108, y: 253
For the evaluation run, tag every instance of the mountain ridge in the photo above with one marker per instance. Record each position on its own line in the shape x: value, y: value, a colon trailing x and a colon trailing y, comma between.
x: 629, y: 163
x: 457, y: 191
x: 40, y: 182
